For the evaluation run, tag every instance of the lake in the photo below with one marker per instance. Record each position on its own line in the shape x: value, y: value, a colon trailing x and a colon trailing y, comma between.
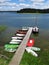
x: 19, y: 20
x: 15, y: 20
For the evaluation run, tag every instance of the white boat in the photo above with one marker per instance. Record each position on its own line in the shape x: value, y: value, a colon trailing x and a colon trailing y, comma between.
x: 35, y: 29
x: 17, y: 37
x: 32, y: 52
x: 34, y: 48
x: 15, y: 40
x: 20, y: 34
x: 25, y: 28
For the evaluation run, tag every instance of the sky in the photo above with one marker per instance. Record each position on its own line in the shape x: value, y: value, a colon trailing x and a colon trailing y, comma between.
x: 14, y: 5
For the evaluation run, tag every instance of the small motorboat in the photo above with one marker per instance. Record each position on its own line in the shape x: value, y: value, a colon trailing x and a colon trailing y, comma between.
x: 35, y: 30
x: 20, y: 34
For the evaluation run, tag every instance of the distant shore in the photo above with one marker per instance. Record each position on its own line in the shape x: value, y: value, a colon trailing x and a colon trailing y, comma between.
x: 29, y: 10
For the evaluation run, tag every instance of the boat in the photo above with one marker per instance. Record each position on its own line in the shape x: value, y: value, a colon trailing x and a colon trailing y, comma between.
x: 10, y: 50
x: 35, y: 30
x: 30, y: 42
x: 17, y: 37
x: 11, y: 47
x: 25, y: 28
x: 15, y: 40
x: 20, y: 34
x: 12, y: 42
x: 34, y: 48
x: 32, y: 52
x: 21, y: 31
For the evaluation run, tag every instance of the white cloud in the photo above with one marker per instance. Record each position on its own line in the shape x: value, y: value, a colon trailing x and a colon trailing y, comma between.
x: 23, y: 4
x: 37, y: 0
x: 4, y: 0
x: 9, y: 5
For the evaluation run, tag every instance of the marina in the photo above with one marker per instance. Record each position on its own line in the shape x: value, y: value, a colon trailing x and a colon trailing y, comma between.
x: 21, y: 49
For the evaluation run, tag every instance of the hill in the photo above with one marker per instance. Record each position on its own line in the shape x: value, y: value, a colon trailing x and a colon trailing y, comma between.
x: 29, y: 10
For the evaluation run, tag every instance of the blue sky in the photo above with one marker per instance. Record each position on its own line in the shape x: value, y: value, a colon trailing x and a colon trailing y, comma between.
x: 20, y: 4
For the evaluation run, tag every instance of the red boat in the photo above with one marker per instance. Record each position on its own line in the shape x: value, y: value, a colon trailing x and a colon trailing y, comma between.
x: 30, y: 42
x: 21, y: 31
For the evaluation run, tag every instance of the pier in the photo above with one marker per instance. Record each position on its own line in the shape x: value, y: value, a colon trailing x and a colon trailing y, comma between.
x: 19, y: 52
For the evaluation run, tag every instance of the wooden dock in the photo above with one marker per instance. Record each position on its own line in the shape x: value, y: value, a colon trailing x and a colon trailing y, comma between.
x: 19, y: 52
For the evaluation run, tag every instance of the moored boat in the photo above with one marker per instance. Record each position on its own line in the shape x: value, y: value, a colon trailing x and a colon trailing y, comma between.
x: 13, y: 42
x: 35, y: 30
x: 17, y: 37
x: 16, y: 40
x: 11, y: 47
x: 20, y: 34
x: 32, y: 52
x: 21, y: 31
x: 34, y: 48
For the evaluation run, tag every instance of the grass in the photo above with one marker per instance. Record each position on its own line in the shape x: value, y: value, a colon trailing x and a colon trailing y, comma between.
x: 42, y: 42
x: 4, y: 61
x: 2, y: 28
x: 29, y: 59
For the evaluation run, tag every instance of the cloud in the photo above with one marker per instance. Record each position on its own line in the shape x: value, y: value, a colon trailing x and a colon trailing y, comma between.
x: 4, y: 0
x: 9, y: 5
x: 37, y: 0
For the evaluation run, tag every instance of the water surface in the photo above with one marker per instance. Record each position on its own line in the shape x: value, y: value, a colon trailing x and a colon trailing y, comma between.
x: 15, y: 20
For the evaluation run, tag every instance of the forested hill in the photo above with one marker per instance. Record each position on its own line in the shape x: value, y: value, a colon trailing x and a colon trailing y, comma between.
x: 29, y: 10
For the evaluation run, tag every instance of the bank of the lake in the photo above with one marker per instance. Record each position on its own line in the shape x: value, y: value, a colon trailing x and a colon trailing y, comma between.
x: 41, y: 41
x: 2, y: 28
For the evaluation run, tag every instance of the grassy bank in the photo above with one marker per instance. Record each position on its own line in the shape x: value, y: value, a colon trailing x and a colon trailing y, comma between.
x: 42, y: 42
x: 4, y: 60
x: 29, y: 59
x: 2, y: 28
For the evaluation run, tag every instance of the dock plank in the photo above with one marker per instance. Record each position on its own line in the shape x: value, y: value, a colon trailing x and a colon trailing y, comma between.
x: 19, y: 52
